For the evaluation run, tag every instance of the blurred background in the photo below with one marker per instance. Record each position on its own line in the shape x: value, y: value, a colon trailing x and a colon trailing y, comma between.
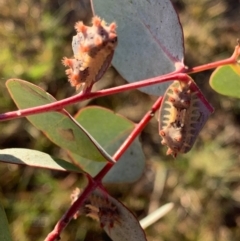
x: 203, y: 184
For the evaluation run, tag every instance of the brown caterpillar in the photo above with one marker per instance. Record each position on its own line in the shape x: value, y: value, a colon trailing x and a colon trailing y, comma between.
x: 117, y: 221
x: 103, y: 210
x: 183, y: 113
x: 99, y: 207
x: 93, y: 49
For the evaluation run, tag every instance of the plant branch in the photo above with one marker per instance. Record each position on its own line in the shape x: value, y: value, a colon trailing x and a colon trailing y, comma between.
x: 93, y: 183
x: 178, y: 74
x: 63, y: 222
x: 96, y: 181
x: 137, y: 130
x: 232, y: 60
x: 58, y: 105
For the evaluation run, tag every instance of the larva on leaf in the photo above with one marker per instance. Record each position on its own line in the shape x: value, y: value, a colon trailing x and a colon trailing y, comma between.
x: 182, y: 115
x: 99, y: 207
x: 117, y: 221
x: 93, y: 49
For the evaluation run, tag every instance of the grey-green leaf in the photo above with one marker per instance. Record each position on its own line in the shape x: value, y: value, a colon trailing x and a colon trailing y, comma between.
x: 110, y: 130
x: 118, y: 222
x: 58, y: 126
x: 33, y: 158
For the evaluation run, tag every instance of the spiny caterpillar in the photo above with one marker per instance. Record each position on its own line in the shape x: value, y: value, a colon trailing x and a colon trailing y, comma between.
x: 93, y: 49
x: 116, y: 220
x: 103, y: 210
x: 183, y: 113
x: 99, y: 207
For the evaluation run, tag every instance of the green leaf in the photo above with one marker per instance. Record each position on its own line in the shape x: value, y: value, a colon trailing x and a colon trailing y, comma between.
x: 57, y: 126
x: 4, y: 229
x: 226, y: 80
x: 35, y: 158
x: 110, y: 130
x: 150, y: 38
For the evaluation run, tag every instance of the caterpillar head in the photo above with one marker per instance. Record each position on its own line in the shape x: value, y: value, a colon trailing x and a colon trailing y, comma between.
x: 172, y: 137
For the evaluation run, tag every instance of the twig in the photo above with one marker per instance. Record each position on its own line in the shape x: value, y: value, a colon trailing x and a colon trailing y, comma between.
x: 96, y: 181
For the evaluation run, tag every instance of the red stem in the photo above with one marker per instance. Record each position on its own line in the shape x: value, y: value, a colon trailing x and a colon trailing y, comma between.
x: 137, y: 130
x: 63, y: 222
x: 211, y: 65
x: 80, y: 97
x: 58, y: 105
x: 96, y: 181
x: 231, y: 60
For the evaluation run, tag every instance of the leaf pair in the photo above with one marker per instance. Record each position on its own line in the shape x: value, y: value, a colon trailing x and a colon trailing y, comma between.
x: 109, y: 129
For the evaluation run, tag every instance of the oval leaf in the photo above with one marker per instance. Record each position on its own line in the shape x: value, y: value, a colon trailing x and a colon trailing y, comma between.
x: 118, y: 222
x: 226, y: 80
x: 59, y: 128
x: 35, y: 158
x: 110, y: 136
x: 150, y: 38
x: 4, y: 229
